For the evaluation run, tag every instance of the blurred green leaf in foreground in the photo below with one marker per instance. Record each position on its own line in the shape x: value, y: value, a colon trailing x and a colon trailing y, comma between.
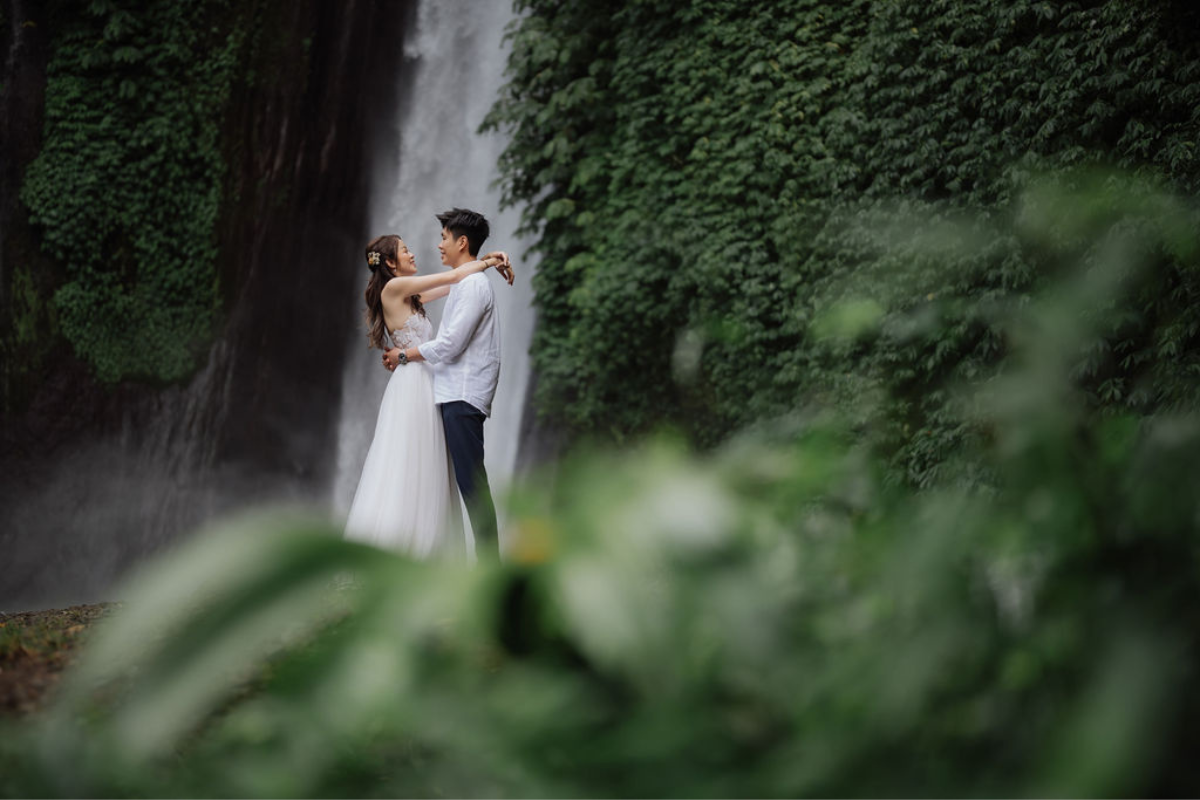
x: 770, y: 619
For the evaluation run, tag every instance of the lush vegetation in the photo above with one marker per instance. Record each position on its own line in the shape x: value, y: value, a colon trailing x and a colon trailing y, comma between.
x: 127, y: 189
x: 851, y: 250
x: 714, y: 183
x: 768, y: 619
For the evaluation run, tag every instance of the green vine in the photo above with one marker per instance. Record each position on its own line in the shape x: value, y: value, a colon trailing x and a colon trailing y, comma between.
x: 127, y: 187
x: 713, y: 185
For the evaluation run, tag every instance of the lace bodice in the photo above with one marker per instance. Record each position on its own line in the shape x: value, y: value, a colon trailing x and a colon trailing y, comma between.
x: 416, y: 330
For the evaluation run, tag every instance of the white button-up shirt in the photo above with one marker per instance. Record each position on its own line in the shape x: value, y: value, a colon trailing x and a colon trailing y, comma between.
x: 465, y: 355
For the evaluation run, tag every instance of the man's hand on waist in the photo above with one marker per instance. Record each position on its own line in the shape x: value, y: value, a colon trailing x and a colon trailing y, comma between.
x: 396, y: 357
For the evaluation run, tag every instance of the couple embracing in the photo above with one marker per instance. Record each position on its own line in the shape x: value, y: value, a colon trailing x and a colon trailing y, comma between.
x: 428, y: 443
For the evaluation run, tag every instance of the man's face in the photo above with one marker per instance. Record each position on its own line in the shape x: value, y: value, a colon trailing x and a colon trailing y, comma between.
x: 451, y: 248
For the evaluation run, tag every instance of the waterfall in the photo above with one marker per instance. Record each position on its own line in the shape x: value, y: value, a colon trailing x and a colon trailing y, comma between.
x: 454, y: 60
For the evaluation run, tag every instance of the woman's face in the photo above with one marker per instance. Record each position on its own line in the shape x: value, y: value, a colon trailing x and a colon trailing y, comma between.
x: 406, y: 262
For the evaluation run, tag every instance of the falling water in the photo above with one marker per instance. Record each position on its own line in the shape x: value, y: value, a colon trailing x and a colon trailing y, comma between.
x: 454, y: 59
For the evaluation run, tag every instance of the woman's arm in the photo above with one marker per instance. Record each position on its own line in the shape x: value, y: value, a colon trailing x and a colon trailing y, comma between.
x: 434, y: 294
x: 504, y: 268
x: 407, y: 285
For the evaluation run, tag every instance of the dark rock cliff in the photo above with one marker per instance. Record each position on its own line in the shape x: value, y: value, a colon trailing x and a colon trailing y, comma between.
x: 92, y: 477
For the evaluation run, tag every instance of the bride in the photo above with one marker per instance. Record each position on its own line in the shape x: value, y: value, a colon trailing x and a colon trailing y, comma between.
x: 407, y: 498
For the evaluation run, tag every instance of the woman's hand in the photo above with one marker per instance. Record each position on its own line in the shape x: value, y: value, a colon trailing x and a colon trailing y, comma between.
x: 504, y: 267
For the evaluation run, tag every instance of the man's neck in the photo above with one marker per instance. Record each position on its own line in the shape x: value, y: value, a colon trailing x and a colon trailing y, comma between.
x: 466, y: 259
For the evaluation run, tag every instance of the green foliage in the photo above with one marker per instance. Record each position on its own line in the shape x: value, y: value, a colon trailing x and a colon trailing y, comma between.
x: 127, y: 187
x: 720, y: 173
x: 773, y: 618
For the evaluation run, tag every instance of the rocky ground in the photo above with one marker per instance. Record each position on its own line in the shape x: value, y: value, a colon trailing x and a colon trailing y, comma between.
x: 35, y: 648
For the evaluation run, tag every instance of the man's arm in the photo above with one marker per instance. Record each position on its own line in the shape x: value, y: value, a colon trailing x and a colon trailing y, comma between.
x: 455, y: 334
x: 391, y: 358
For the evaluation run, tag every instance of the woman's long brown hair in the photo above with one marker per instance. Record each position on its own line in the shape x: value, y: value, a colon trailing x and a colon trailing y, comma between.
x: 388, y: 247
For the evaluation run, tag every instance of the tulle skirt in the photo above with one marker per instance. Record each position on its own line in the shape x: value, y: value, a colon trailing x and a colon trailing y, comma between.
x: 407, y: 499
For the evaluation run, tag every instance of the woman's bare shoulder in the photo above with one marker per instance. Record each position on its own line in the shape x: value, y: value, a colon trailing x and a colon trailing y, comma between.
x: 399, y: 286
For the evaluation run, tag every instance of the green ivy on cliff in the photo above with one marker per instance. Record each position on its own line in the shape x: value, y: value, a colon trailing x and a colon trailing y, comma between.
x: 744, y: 208
x: 127, y: 187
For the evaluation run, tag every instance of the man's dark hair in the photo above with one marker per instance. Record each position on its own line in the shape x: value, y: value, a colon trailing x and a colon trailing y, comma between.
x: 461, y: 222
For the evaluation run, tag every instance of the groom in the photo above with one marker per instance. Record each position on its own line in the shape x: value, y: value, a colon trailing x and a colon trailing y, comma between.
x: 465, y: 358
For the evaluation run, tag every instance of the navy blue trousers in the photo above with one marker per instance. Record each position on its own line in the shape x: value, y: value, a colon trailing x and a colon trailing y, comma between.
x: 463, y: 424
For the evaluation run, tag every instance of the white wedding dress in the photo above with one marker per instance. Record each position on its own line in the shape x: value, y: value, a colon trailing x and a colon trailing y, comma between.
x: 407, y: 499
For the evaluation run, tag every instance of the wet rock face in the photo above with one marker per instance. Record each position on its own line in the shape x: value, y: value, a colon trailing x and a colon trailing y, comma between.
x: 292, y: 246
x: 93, y: 478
